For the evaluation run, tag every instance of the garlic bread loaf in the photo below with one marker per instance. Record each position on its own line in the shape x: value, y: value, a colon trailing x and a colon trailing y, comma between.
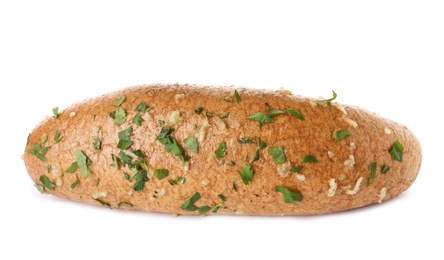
x: 185, y: 149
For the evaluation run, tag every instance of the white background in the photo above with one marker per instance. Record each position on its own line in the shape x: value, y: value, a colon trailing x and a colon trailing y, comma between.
x: 386, y: 56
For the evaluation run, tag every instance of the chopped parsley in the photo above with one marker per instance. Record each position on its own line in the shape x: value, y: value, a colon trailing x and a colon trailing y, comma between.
x: 218, y: 206
x: 265, y: 119
x: 397, y: 151
x: 246, y: 174
x: 137, y: 120
x: 97, y: 144
x: 385, y: 169
x: 260, y: 145
x: 83, y: 163
x: 119, y: 102
x: 74, y: 184
x: 141, y: 177
x: 295, y: 113
x: 44, y: 139
x: 124, y: 139
x: 309, y: 159
x: 119, y: 116
x: 277, y: 154
x: 236, y: 94
x: 272, y: 112
x: 198, y: 110
x: 220, y: 152
x: 74, y: 166
x: 142, y: 107
x: 55, y: 112
x: 204, y: 209
x: 115, y: 163
x: 97, y: 182
x: 245, y: 140
x: 289, y: 196
x: 189, y: 204
x: 46, y: 182
x: 328, y: 101
x: 161, y: 173
x: 57, y: 137
x: 297, y: 169
x: 191, y: 143
x: 177, y: 180
x: 124, y: 204
x: 372, y: 168
x: 103, y: 203
x: 339, y: 135
x: 261, y: 118
x: 161, y: 123
x: 39, y: 151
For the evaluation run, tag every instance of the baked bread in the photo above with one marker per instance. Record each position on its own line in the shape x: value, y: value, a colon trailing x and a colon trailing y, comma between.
x: 185, y: 149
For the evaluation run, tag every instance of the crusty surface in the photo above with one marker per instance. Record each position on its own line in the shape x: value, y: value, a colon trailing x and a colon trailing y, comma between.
x: 370, y: 142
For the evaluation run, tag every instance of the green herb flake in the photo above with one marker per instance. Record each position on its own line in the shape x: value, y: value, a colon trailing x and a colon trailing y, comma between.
x: 289, y: 196
x: 137, y: 120
x: 115, y: 163
x: 161, y: 173
x: 119, y: 117
x: 297, y: 169
x: 198, y: 110
x: 339, y: 135
x: 27, y: 139
x: 124, y: 139
x: 208, y: 114
x: 141, y: 177
x: 48, y: 167
x: 328, y: 101
x: 40, y: 188
x: 97, y: 144
x: 124, y: 204
x: 97, y: 182
x: 261, y: 144
x: 46, y: 182
x: 234, y: 187
x: 246, y: 174
x: 236, y: 94
x: 161, y: 123
x: 256, y: 156
x: 191, y: 143
x: 74, y: 166
x: 261, y: 118
x: 119, y: 102
x: 38, y: 152
x: 177, y: 180
x: 93, y: 117
x: 220, y: 152
x: 385, y: 169
x: 141, y: 107
x: 57, y: 137
x: 277, y: 154
x: 204, y: 209
x: 103, y: 203
x: 44, y: 139
x: 74, y: 184
x: 245, y: 140
x: 372, y: 168
x: 55, y: 112
x: 295, y: 113
x: 397, y: 151
x: 189, y: 204
x: 309, y: 159
x: 83, y: 163
x: 272, y: 112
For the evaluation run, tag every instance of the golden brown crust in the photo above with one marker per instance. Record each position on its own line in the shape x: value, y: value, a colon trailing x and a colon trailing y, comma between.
x: 340, y: 164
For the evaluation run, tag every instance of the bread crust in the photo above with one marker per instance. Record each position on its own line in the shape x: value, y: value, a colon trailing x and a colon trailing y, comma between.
x: 326, y: 186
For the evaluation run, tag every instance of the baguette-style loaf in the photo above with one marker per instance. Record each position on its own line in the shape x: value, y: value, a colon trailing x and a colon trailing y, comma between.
x: 185, y: 149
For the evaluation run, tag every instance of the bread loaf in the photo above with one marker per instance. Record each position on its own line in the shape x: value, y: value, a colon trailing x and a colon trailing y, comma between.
x: 185, y: 149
